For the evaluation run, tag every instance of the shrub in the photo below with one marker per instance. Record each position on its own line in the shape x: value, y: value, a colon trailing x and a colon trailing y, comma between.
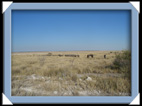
x: 49, y: 54
x: 122, y: 61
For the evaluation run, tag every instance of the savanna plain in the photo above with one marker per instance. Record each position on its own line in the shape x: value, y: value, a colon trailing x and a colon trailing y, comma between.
x: 54, y: 74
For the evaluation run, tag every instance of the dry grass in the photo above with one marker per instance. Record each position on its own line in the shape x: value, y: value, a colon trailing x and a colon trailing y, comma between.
x: 38, y: 74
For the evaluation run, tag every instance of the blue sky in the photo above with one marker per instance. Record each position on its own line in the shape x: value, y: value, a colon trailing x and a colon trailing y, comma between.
x: 69, y: 30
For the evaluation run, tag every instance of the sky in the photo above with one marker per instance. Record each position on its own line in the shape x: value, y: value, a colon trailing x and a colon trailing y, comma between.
x: 70, y: 30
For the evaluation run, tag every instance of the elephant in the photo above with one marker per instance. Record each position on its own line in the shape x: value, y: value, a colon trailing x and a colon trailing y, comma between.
x: 105, y: 56
x: 60, y: 55
x: 90, y: 55
x: 71, y: 55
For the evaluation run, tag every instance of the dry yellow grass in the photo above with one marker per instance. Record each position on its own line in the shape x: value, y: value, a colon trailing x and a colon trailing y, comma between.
x: 36, y: 74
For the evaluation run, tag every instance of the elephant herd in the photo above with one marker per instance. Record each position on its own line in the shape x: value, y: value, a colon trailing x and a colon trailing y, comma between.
x: 91, y: 55
x: 74, y: 55
x: 71, y: 55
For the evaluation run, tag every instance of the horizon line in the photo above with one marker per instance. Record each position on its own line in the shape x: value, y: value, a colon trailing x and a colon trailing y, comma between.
x: 64, y: 51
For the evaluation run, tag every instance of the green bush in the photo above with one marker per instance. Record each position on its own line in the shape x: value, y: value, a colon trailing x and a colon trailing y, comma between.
x: 122, y: 61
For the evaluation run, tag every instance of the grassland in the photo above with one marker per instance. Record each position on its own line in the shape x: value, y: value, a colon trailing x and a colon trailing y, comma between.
x: 37, y: 74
